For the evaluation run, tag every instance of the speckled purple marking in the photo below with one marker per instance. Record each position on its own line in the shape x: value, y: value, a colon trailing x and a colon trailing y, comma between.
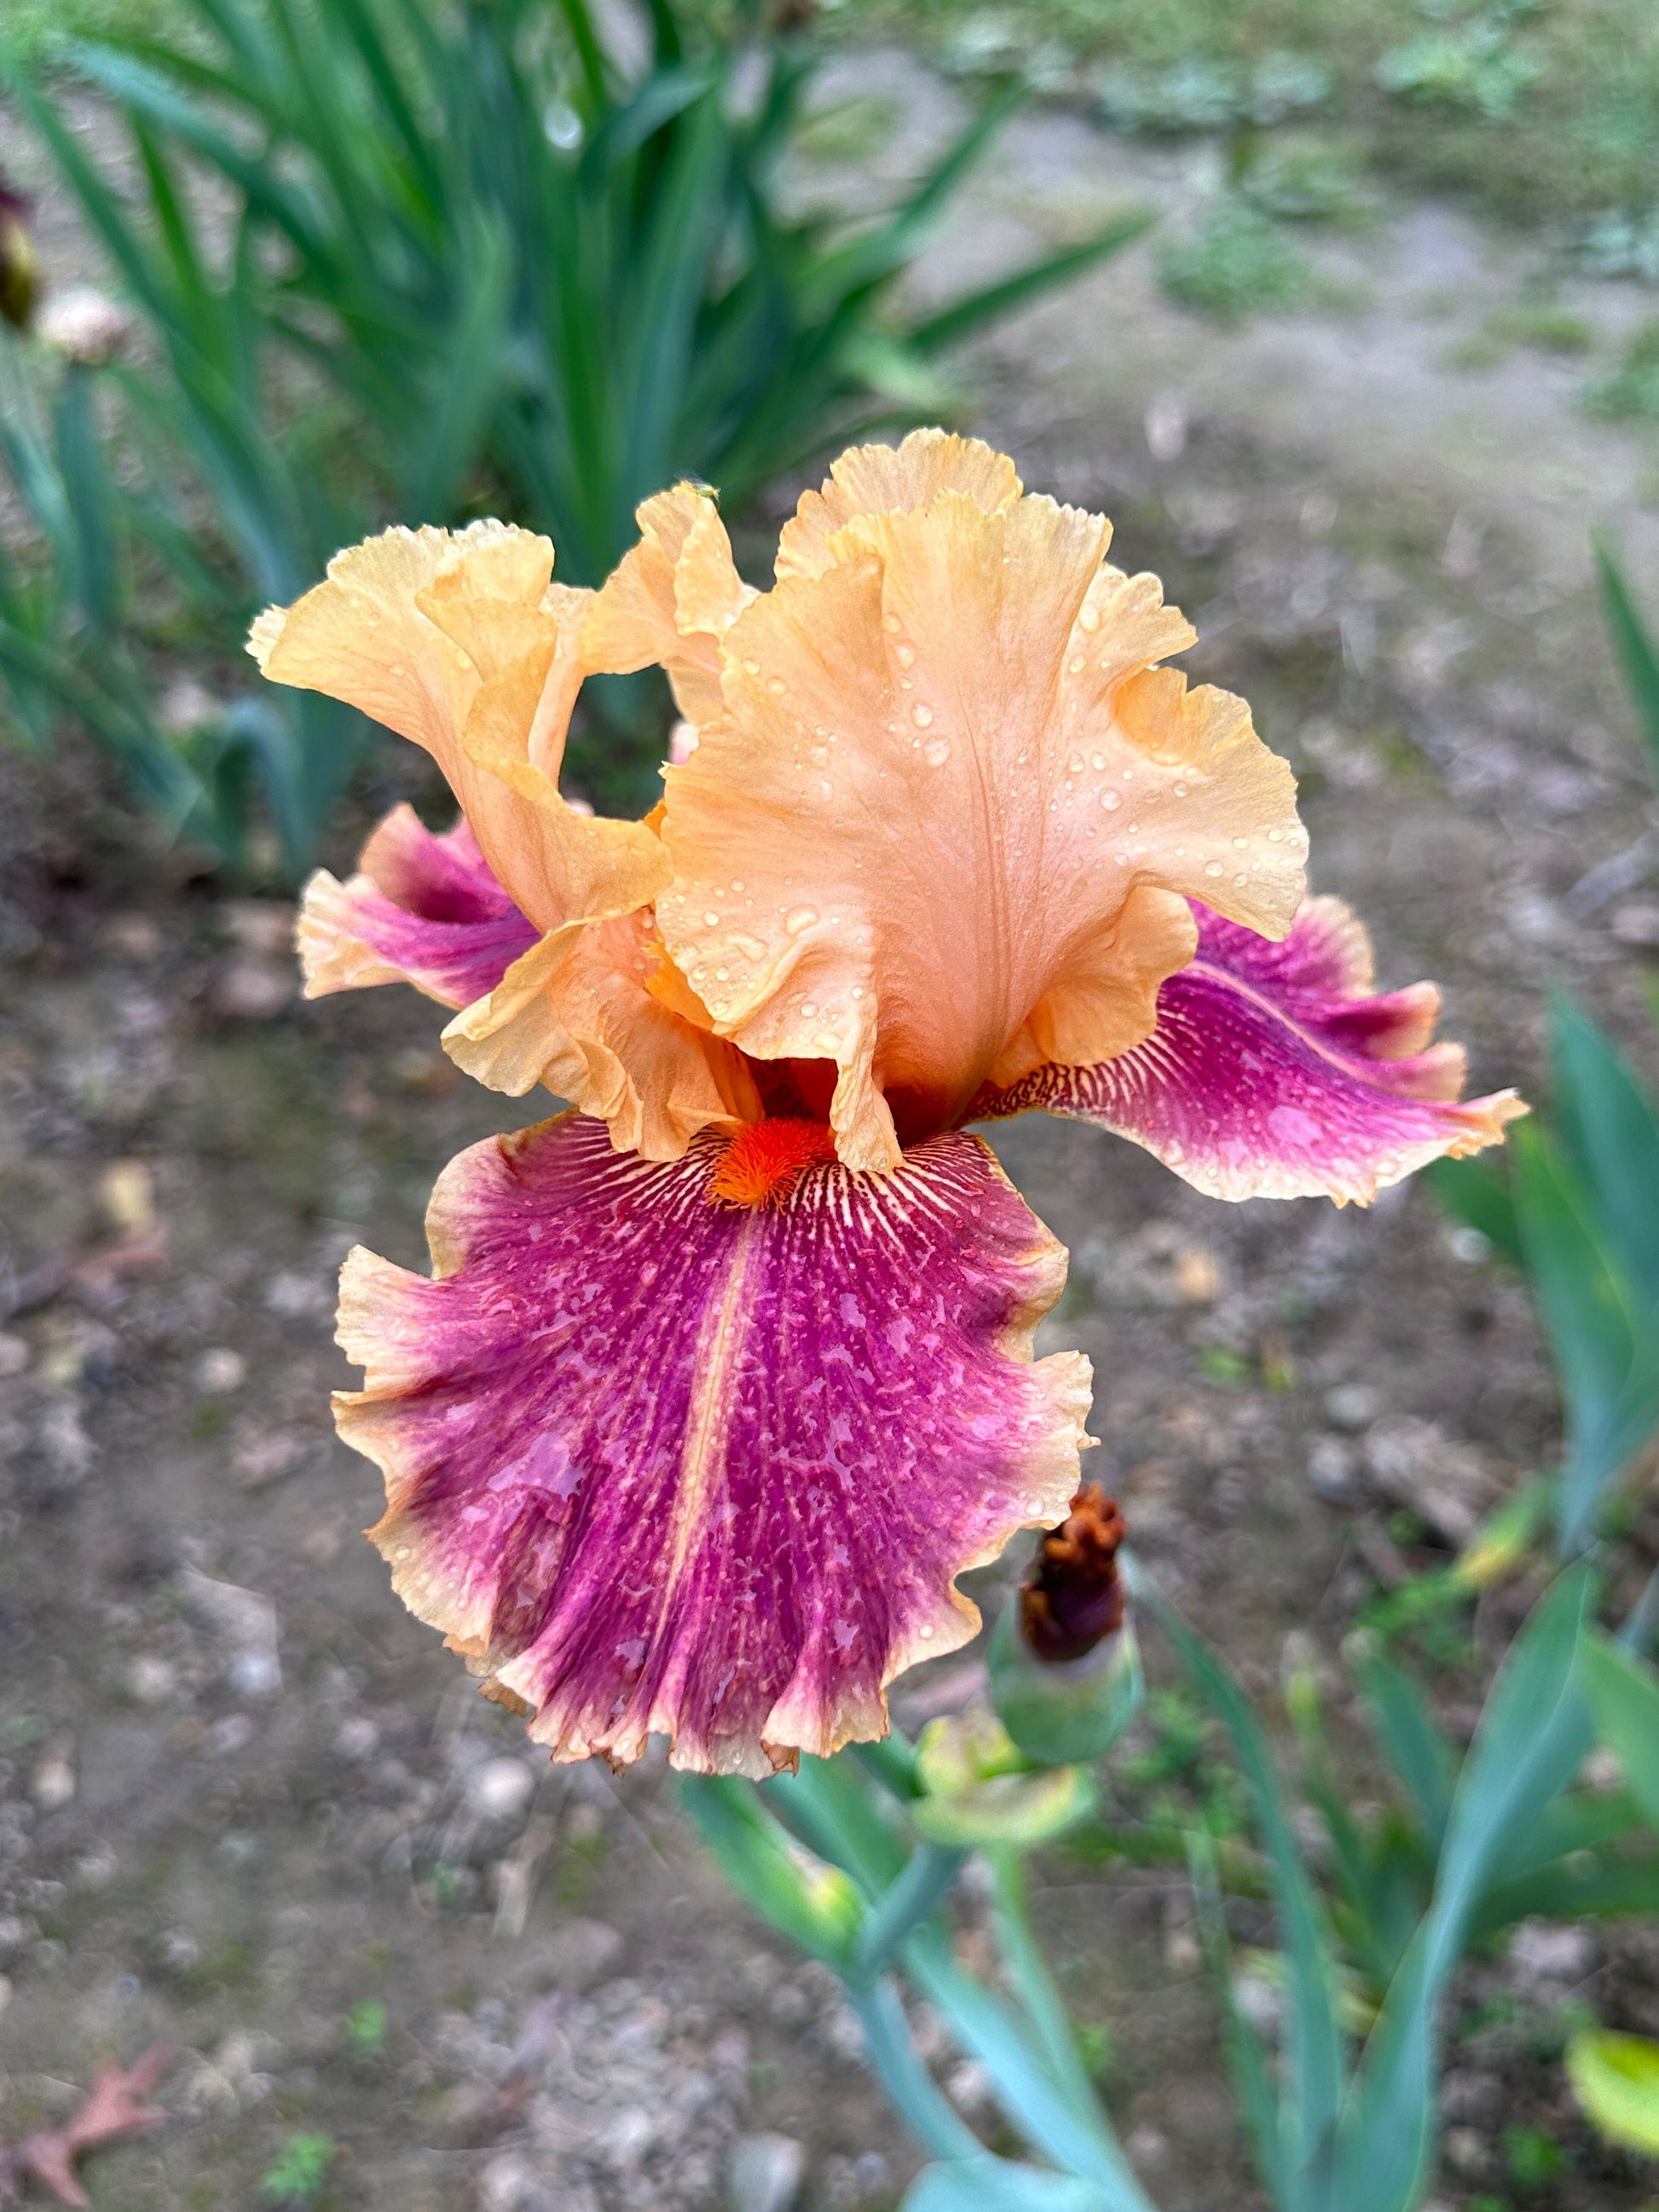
x: 436, y: 912
x: 1263, y: 1080
x: 664, y: 1466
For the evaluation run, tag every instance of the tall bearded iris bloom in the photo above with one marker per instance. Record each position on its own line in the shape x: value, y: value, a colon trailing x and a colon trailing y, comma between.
x: 722, y: 1377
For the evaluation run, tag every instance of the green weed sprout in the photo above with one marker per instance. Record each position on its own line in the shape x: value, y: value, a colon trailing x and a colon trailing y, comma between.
x: 299, y: 2172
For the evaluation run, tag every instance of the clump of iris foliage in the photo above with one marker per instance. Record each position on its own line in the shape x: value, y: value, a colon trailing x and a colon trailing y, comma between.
x: 462, y: 259
x: 1384, y: 1866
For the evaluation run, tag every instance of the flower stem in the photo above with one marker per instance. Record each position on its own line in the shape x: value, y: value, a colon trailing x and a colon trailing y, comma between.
x: 1033, y: 1982
x: 891, y: 1760
x: 896, y: 2064
x: 925, y: 1882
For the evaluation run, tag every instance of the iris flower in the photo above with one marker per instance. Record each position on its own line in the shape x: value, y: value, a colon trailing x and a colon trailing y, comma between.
x: 722, y: 1376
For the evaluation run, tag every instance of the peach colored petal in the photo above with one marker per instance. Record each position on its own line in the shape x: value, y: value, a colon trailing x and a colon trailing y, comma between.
x: 889, y: 480
x: 948, y: 821
x: 1106, y: 993
x: 461, y: 643
x: 672, y: 599
x: 578, y: 1014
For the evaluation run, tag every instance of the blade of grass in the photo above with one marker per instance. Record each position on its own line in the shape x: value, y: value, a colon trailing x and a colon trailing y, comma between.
x: 1476, y: 1193
x: 1623, y: 1692
x: 884, y: 248
x: 1611, y: 1134
x: 1030, y: 1976
x: 1314, y: 2045
x: 472, y: 374
x: 1609, y: 1367
x: 95, y: 573
x: 1248, y: 2063
x: 993, y: 302
x: 1532, y: 1736
x: 1633, y: 646
x: 1414, y: 1744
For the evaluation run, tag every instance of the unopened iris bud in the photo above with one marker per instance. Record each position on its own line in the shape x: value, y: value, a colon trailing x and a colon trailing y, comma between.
x: 20, y: 265
x: 1066, y: 1674
x: 810, y: 1901
x: 978, y: 1792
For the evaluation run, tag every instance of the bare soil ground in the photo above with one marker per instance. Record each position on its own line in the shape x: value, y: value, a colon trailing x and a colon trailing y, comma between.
x: 243, y: 1798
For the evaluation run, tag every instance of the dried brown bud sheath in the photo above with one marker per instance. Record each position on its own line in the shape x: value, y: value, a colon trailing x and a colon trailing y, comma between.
x: 19, y: 267
x: 1072, y: 1598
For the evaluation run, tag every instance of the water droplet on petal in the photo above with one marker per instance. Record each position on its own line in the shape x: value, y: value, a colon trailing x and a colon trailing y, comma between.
x: 922, y: 716
x: 799, y: 918
x: 1213, y: 868
x: 1110, y: 801
x: 936, y: 752
x: 1088, y: 617
x: 711, y: 919
x: 905, y: 655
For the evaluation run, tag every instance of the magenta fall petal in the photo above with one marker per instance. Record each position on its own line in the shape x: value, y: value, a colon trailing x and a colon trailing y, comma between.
x: 662, y: 1466
x: 423, y: 908
x: 1273, y: 1073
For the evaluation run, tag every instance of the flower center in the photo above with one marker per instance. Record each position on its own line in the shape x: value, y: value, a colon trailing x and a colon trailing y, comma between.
x: 763, y: 1162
